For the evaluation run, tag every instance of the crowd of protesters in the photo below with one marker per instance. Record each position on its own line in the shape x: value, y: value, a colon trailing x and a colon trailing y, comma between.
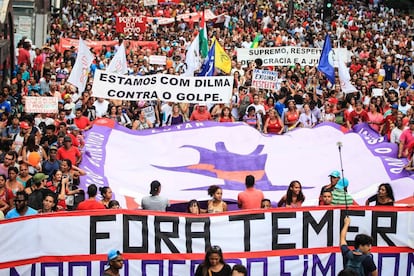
x: 45, y: 150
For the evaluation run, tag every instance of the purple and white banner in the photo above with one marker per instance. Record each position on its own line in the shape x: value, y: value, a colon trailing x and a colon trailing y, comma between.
x: 188, y: 158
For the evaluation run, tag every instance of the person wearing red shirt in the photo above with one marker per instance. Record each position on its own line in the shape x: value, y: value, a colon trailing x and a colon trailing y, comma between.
x: 390, y: 119
x: 200, y: 113
x: 91, y: 203
x: 68, y: 151
x: 251, y: 198
x: 82, y: 122
x: 24, y: 54
x: 357, y: 116
x: 355, y: 65
x: 406, y: 140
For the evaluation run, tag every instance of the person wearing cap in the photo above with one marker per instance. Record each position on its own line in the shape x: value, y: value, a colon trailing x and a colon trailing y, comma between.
x: 20, y: 137
x: 340, y: 194
x: 37, y: 191
x: 334, y: 178
x: 406, y: 140
x: 68, y: 151
x: 51, y: 164
x: 115, y: 262
x: 155, y: 202
x: 76, y: 136
x: 91, y: 203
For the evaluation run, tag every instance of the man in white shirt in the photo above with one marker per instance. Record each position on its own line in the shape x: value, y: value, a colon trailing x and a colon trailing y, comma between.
x: 101, y: 106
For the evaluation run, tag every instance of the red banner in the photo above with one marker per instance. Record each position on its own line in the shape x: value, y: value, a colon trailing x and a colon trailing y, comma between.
x: 66, y: 43
x: 131, y: 24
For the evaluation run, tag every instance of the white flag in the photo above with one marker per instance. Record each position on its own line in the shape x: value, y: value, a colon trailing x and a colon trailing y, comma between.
x: 79, y: 75
x: 192, y: 58
x: 344, y: 77
x: 118, y: 63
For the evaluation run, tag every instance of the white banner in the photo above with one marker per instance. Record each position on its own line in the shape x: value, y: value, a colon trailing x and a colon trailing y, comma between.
x: 80, y: 71
x: 280, y: 56
x: 164, y: 87
x: 41, y: 105
x: 195, y: 16
x: 264, y: 79
x: 272, y: 242
x: 160, y: 60
x: 150, y: 2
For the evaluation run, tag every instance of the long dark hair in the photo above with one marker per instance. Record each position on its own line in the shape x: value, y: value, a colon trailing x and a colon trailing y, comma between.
x: 388, y: 188
x: 215, y: 249
x: 289, y: 194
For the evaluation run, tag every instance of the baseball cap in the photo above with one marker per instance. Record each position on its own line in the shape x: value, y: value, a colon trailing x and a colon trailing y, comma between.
x: 24, y: 125
x: 67, y: 139
x: 112, y: 254
x: 37, y: 178
x: 67, y: 96
x: 412, y: 121
x: 342, y: 183
x: 73, y: 127
x: 67, y: 107
x: 335, y: 174
x: 53, y: 148
x: 155, y: 187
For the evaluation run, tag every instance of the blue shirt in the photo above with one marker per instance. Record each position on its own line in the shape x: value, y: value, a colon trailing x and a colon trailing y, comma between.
x: 5, y: 107
x: 280, y: 108
x: 14, y: 214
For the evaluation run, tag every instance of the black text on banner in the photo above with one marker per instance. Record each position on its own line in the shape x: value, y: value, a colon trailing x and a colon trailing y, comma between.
x: 163, y: 87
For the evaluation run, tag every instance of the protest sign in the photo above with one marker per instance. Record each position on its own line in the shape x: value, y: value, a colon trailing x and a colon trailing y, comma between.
x: 164, y: 87
x: 264, y: 79
x: 159, y: 60
x: 41, y: 105
x: 131, y: 24
x: 280, y: 56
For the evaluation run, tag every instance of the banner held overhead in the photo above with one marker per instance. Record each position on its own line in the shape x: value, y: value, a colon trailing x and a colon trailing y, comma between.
x: 163, y: 87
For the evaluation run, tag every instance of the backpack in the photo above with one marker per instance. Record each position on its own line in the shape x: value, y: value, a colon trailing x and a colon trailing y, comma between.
x: 355, y: 262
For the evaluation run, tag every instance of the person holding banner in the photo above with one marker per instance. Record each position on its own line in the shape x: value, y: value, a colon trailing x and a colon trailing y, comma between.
x: 293, y: 197
x: 273, y: 124
x: 291, y: 115
x: 384, y: 196
x: 200, y: 113
x: 359, y: 259
x: 251, y: 118
x: 141, y: 122
x: 307, y: 119
x: 226, y: 116
x: 213, y: 264
x: 216, y: 204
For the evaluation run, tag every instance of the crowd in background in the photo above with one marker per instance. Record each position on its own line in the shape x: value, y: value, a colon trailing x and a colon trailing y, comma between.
x: 44, y: 150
